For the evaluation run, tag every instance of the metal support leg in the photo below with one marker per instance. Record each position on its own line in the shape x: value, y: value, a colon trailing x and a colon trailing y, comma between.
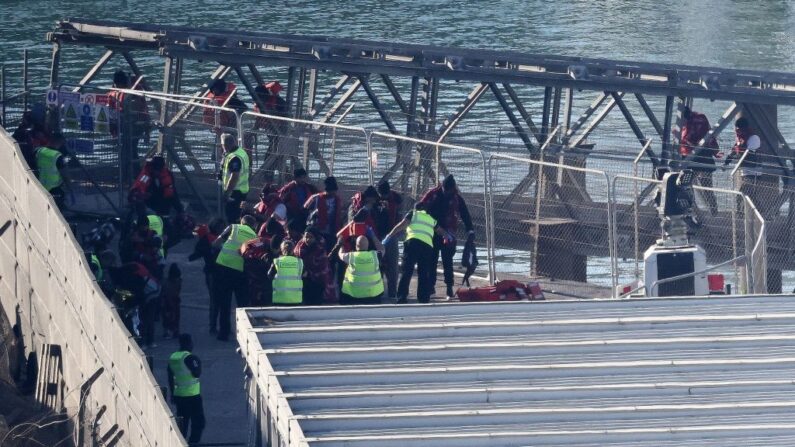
x: 55, y: 65
x: 546, y: 112
x: 94, y: 71
x: 665, y: 156
x: 462, y: 111
x: 301, y: 93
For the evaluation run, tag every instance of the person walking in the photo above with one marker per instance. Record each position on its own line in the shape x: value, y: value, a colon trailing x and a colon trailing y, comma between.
x: 228, y: 277
x: 445, y: 204
x: 184, y: 371
x: 234, y: 176
x: 363, y: 283
x: 700, y: 158
x: 418, y: 251
x: 171, y: 301
x: 758, y: 182
x: 325, y: 211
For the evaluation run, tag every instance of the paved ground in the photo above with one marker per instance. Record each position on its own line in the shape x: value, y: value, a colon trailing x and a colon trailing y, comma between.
x: 222, y: 368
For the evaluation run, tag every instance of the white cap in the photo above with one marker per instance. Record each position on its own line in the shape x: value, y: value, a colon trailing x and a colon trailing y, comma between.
x: 280, y: 213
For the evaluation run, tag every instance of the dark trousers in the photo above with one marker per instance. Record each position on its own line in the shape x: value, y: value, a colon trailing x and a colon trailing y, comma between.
x: 347, y: 300
x: 190, y: 412
x: 208, y: 280
x: 59, y: 197
x: 232, y: 207
x: 313, y: 292
x: 447, y: 251
x: 704, y: 178
x: 419, y: 254
x: 391, y: 267
x: 225, y: 283
x: 148, y: 315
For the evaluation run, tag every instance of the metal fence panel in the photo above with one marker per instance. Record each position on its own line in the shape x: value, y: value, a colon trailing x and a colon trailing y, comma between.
x: 414, y: 166
x: 552, y: 224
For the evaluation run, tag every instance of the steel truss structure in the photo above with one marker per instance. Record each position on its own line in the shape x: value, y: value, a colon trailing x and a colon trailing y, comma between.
x: 495, y: 74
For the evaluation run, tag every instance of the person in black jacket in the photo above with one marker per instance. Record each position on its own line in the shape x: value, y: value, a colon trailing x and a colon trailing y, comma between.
x: 207, y: 234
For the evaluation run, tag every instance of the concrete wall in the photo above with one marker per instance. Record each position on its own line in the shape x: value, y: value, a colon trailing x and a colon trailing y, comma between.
x: 46, y: 284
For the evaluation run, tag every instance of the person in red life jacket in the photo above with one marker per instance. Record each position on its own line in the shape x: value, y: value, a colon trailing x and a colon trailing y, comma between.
x: 275, y: 105
x: 318, y: 284
x: 758, y: 181
x: 130, y: 121
x: 146, y: 246
x: 445, y: 204
x: 268, y: 201
x: 172, y: 288
x: 387, y: 216
x: 295, y: 194
x: 222, y: 94
x: 325, y: 211
x: 699, y: 158
x: 206, y: 235
x: 365, y: 200
x: 255, y: 266
x: 154, y: 188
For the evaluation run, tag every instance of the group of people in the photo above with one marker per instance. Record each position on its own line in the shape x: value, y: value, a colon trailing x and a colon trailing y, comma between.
x: 301, y: 246
x: 699, y: 151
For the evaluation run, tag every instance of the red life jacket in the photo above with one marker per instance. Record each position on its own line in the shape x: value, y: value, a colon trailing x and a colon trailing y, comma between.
x: 267, y: 204
x: 140, y: 271
x: 254, y: 249
x: 139, y: 192
x: 695, y: 128
x: 225, y: 119
x: 322, y: 210
x: 290, y: 198
x: 741, y: 139
x: 392, y: 208
x: 357, y: 203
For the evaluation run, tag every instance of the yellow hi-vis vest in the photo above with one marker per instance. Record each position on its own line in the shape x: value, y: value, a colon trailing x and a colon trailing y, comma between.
x: 288, y: 287
x: 242, y: 180
x: 230, y: 252
x: 47, y: 165
x: 156, y: 225
x: 95, y: 261
x: 363, y: 275
x: 421, y: 227
x: 185, y: 385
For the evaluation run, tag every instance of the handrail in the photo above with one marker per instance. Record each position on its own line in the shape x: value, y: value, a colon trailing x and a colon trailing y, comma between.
x: 683, y: 276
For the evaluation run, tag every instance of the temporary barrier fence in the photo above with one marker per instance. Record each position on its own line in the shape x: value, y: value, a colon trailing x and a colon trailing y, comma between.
x: 413, y: 166
x: 46, y: 285
x: 557, y: 217
x: 279, y: 145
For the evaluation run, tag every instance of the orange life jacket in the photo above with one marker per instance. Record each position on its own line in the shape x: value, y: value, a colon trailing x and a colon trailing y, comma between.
x: 139, y: 192
x: 225, y: 119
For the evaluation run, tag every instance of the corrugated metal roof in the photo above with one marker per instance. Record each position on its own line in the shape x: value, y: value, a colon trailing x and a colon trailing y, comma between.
x: 664, y: 372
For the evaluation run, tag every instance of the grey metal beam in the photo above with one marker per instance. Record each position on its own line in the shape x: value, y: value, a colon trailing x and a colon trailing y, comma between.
x: 301, y: 93
x: 395, y: 93
x: 290, y: 89
x: 329, y: 96
x: 94, y: 71
x: 512, y: 118
x: 342, y: 101
x: 634, y: 126
x: 586, y: 115
x: 362, y: 56
x: 256, y: 74
x: 377, y: 104
x: 135, y: 69
x: 555, y: 118
x: 187, y: 109
x: 665, y: 154
x: 461, y: 111
x: 724, y: 121
x: 517, y: 102
x: 168, y: 78
x: 55, y: 65
x: 594, y: 122
x: 546, y: 111
x: 649, y: 113
x: 311, y: 90
x: 567, y: 108
x: 250, y: 88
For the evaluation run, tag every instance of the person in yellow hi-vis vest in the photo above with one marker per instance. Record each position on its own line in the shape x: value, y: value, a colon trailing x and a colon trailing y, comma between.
x: 228, y: 276
x: 288, y: 275
x: 363, y: 283
x: 420, y: 229
x: 51, y: 169
x: 234, y: 176
x: 184, y: 370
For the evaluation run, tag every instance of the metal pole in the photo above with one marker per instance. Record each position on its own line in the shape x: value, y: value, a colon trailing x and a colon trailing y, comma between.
x: 25, y: 80
x: 3, y: 95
